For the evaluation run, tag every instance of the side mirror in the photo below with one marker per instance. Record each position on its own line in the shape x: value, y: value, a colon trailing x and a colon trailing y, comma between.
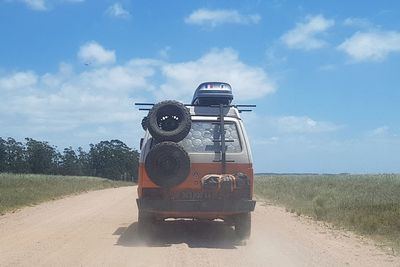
x: 141, y: 143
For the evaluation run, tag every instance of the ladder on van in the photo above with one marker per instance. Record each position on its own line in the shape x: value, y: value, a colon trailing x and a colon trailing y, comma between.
x: 223, y: 140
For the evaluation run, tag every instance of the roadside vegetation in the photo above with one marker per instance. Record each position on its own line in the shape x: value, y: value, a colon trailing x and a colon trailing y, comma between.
x: 108, y: 159
x: 366, y: 204
x: 18, y: 190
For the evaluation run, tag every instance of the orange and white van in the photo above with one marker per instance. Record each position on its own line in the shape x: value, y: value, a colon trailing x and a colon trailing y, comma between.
x: 189, y: 168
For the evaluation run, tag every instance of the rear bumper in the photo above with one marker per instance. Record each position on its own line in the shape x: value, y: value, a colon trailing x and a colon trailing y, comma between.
x: 219, y: 206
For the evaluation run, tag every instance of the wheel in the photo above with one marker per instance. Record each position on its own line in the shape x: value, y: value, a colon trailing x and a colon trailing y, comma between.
x: 243, y: 225
x: 169, y: 121
x: 167, y: 164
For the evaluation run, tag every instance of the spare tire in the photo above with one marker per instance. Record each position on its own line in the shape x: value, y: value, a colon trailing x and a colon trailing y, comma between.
x: 167, y: 164
x: 169, y: 121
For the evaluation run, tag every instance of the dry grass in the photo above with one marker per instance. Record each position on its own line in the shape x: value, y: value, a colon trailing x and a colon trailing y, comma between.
x: 18, y: 190
x: 366, y: 204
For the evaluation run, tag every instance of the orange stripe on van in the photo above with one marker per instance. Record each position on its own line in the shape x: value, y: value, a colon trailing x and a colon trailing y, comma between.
x: 198, y: 170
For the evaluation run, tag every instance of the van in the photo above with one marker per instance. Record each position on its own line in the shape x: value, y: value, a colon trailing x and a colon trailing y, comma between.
x: 189, y: 168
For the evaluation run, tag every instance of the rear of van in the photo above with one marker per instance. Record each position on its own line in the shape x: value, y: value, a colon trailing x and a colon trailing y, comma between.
x: 206, y: 175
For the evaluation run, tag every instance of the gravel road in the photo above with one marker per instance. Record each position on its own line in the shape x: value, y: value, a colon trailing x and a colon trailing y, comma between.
x: 100, y: 229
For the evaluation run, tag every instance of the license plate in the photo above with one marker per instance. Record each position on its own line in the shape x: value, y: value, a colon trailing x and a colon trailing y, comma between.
x: 193, y: 195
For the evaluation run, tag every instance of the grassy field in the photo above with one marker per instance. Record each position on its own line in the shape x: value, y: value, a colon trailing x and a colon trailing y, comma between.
x: 18, y: 190
x: 366, y: 204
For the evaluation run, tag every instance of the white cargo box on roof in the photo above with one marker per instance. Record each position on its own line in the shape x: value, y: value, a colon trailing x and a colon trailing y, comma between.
x: 213, y: 93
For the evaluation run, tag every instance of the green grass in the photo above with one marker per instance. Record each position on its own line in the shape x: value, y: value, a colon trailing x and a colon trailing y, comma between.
x: 18, y: 190
x: 366, y: 204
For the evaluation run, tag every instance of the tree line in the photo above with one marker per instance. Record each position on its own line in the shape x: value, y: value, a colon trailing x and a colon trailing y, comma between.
x: 108, y: 159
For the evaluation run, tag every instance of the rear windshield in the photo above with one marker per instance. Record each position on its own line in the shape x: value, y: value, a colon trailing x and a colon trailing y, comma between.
x: 201, y: 136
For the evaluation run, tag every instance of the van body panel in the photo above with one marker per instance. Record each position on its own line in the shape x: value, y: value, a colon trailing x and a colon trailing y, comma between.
x: 198, y: 170
x: 202, y: 163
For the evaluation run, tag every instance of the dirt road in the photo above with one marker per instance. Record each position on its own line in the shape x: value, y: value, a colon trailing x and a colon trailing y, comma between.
x: 99, y: 229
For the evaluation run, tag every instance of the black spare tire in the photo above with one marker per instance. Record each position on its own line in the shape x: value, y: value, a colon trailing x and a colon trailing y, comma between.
x: 167, y: 164
x: 169, y: 121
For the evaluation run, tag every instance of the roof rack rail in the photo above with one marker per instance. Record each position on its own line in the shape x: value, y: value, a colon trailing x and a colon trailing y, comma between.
x: 239, y: 106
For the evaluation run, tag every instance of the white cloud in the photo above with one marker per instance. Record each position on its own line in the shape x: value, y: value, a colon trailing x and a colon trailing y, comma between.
x: 217, y: 17
x: 357, y: 22
x: 36, y: 4
x: 382, y: 131
x: 371, y: 46
x: 43, y: 5
x: 116, y: 79
x: 286, y: 126
x: 93, y: 52
x: 274, y: 57
x: 19, y: 80
x: 118, y: 11
x: 292, y: 143
x: 65, y: 105
x: 248, y: 82
x: 306, y: 34
x: 295, y: 124
x: 76, y: 107
x: 327, y: 67
x: 164, y: 52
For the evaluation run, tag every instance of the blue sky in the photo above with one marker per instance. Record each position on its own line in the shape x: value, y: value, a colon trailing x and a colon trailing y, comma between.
x: 324, y: 74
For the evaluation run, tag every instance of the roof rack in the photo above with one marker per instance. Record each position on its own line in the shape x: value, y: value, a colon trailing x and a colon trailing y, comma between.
x: 238, y: 107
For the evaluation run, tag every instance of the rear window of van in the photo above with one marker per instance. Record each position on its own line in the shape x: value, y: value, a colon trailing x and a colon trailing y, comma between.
x: 203, y: 133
